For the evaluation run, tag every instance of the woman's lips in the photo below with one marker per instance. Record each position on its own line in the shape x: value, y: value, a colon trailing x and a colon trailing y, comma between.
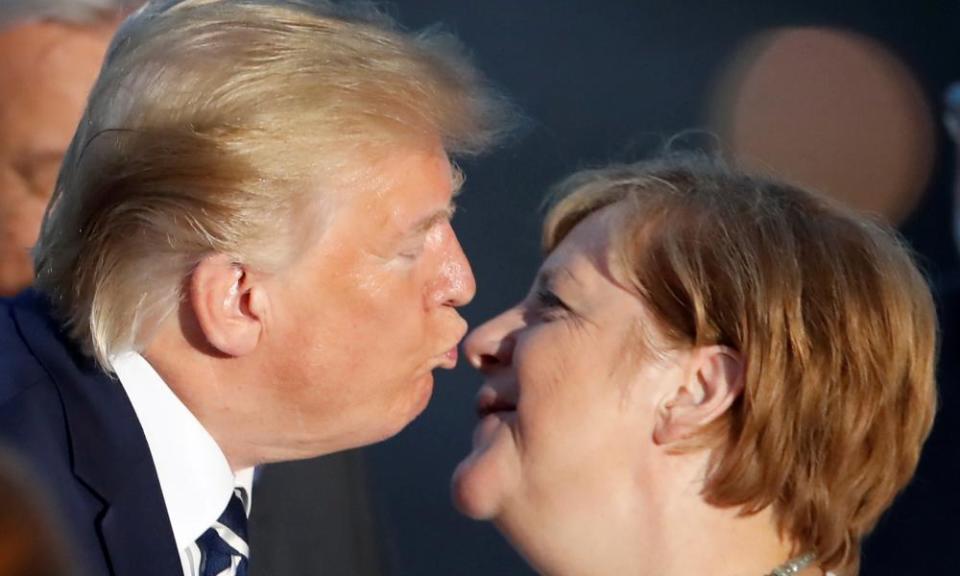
x: 490, y: 427
x: 491, y: 400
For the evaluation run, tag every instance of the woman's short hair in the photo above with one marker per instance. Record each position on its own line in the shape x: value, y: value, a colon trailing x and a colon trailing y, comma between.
x: 224, y: 126
x: 833, y: 320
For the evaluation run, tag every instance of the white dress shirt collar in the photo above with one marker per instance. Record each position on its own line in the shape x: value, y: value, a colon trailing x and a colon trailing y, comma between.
x: 194, y: 474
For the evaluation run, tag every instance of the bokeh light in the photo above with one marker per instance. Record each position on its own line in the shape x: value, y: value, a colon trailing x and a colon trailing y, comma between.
x: 828, y: 109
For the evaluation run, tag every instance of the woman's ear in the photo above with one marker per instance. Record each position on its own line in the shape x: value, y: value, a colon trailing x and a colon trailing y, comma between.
x: 226, y: 304
x: 713, y: 380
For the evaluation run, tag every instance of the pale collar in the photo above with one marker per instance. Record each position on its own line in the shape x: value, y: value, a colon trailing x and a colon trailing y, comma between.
x: 194, y: 475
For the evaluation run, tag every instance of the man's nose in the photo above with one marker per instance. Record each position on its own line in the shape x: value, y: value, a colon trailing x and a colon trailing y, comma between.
x: 490, y: 346
x: 459, y: 284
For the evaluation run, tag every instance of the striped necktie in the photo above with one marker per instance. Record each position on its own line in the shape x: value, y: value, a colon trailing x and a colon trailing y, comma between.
x: 223, y: 547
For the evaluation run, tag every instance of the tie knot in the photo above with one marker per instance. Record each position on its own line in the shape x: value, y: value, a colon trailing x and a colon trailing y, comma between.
x: 224, y: 546
x: 234, y: 517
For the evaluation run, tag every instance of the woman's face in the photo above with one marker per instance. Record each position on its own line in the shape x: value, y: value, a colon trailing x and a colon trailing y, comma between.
x: 568, y: 404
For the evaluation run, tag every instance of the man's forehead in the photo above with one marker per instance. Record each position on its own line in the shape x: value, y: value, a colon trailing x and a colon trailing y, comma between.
x: 409, y: 180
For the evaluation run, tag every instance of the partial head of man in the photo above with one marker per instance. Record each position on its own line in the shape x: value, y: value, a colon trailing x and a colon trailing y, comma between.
x: 50, y: 53
x: 258, y: 201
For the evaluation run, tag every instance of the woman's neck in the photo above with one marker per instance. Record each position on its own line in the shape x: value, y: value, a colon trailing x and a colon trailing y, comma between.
x: 682, y: 534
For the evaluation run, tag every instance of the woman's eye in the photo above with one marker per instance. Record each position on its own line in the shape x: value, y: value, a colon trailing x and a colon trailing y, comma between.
x: 550, y: 305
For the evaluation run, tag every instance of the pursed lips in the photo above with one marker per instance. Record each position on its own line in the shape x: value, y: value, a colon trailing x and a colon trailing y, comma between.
x: 448, y: 358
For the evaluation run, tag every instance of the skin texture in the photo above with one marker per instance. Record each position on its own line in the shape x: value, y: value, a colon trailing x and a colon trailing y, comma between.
x: 336, y: 350
x: 46, y: 71
x: 577, y: 469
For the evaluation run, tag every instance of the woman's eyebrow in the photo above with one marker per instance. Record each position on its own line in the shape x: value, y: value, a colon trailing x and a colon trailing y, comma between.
x: 548, y: 278
x: 544, y: 280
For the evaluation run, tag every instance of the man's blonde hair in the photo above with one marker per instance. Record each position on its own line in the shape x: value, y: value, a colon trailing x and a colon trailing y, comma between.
x: 833, y: 320
x: 225, y: 126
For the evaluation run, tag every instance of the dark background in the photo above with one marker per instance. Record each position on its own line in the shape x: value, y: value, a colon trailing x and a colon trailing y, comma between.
x: 602, y: 80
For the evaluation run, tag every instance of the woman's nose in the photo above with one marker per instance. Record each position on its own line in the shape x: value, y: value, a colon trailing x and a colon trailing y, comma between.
x: 490, y: 346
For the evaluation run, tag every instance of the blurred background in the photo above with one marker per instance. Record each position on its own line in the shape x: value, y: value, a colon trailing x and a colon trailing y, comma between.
x: 847, y: 97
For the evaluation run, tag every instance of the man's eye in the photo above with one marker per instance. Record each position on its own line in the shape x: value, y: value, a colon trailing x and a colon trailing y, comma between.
x: 412, y: 253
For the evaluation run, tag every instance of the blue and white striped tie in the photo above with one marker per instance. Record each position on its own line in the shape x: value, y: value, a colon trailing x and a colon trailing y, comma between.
x: 223, y: 547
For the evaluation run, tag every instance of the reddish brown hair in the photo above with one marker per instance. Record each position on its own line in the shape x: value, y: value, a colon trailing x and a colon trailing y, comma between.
x: 834, y: 321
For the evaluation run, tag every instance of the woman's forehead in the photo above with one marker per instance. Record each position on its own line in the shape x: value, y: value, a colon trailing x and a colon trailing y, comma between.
x: 592, y: 234
x: 589, y: 253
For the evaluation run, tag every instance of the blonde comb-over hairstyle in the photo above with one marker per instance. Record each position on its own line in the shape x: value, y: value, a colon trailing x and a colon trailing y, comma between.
x: 232, y: 127
x: 834, y: 322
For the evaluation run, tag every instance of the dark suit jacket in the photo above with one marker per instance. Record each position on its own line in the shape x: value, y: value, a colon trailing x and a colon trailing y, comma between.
x: 76, y: 430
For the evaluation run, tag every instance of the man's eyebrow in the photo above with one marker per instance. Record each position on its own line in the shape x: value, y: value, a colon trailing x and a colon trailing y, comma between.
x: 457, y: 178
x: 423, y: 225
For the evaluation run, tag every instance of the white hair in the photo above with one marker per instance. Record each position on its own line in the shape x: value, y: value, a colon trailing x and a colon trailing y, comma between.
x: 13, y: 12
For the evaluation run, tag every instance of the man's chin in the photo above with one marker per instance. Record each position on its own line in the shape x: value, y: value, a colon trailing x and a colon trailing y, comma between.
x: 422, y: 393
x: 405, y: 412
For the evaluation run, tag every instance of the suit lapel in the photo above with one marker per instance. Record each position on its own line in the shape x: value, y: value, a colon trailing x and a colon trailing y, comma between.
x: 109, y: 451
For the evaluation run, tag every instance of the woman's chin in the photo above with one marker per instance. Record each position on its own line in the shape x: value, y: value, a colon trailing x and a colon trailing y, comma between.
x: 470, y: 496
x: 484, y: 479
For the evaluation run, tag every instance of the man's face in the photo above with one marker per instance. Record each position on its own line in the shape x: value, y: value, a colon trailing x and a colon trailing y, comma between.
x: 46, y: 71
x: 363, y: 316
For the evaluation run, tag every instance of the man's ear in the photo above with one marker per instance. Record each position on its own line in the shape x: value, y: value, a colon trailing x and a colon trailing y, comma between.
x: 712, y: 382
x: 227, y: 305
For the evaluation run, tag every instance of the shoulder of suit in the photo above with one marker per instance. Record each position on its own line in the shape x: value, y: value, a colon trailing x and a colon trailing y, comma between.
x: 19, y: 368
